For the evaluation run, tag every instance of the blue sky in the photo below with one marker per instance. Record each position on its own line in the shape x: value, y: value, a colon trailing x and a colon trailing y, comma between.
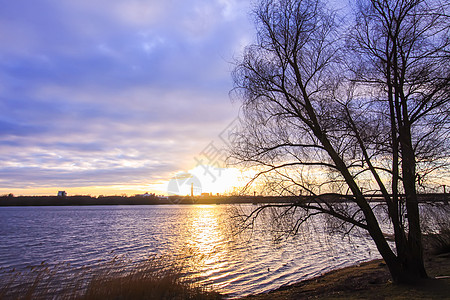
x: 113, y: 96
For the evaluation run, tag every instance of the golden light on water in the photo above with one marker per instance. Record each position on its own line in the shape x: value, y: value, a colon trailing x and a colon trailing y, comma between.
x: 207, y: 238
x: 205, y: 228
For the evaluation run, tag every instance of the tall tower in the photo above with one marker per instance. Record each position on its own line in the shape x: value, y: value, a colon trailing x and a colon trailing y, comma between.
x: 192, y: 189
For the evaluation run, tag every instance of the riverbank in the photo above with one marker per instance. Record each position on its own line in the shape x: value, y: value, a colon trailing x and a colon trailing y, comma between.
x: 370, y: 280
x: 152, y: 199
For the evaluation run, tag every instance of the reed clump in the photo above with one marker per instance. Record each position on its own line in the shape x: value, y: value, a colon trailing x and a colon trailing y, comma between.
x: 159, y: 277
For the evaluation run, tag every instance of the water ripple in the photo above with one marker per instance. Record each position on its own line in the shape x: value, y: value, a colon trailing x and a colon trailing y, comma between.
x: 236, y: 266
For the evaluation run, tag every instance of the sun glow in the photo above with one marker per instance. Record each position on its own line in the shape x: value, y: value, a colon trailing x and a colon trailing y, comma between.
x: 222, y: 181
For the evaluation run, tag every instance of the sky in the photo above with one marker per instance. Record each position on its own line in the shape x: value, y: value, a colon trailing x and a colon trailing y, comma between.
x: 117, y: 96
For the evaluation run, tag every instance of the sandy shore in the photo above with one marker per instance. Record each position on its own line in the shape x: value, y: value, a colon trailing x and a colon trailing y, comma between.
x: 370, y: 280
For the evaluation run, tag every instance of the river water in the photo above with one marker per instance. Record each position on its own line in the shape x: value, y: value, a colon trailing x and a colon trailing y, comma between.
x: 234, y: 265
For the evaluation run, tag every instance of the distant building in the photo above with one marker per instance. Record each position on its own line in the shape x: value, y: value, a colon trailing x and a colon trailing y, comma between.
x: 145, y: 195
x: 206, y: 194
x: 62, y: 194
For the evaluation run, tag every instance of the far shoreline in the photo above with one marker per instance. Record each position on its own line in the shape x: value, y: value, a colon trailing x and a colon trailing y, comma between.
x: 151, y: 199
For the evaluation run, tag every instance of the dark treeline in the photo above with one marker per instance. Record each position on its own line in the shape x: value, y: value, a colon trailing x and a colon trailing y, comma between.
x: 9, y: 200
x: 75, y: 200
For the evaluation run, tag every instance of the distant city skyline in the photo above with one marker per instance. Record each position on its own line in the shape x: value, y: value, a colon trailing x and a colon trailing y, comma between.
x: 101, y: 97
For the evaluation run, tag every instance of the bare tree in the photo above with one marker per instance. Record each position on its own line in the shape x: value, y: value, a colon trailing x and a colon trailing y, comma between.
x: 350, y: 117
x: 404, y: 47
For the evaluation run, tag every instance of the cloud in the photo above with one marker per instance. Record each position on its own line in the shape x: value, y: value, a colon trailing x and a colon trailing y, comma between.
x: 113, y: 92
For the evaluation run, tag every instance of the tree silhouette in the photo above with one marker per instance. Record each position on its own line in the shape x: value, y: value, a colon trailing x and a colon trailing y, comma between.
x: 348, y: 109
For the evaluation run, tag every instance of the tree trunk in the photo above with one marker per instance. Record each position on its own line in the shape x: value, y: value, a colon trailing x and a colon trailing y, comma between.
x: 413, y: 262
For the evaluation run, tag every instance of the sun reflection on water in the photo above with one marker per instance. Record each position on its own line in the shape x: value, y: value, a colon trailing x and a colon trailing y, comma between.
x: 207, y: 235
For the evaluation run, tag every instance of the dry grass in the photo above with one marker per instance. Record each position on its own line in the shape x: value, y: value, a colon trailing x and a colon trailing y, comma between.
x: 159, y: 277
x: 438, y: 237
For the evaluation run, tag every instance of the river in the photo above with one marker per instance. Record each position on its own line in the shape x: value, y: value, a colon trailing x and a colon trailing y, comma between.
x: 234, y: 265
